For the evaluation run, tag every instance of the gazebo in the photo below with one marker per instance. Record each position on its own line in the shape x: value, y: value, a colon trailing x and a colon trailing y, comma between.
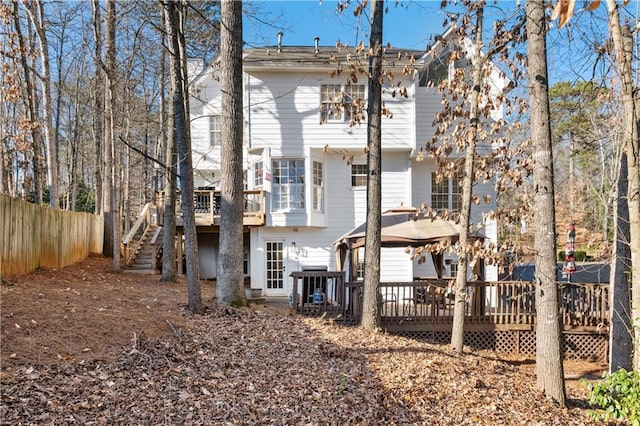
x: 402, y: 227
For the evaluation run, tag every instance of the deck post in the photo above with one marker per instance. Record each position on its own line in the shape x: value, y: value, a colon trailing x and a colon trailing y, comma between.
x: 179, y: 251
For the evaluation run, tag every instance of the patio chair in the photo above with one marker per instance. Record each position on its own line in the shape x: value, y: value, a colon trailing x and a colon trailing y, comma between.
x: 389, y: 299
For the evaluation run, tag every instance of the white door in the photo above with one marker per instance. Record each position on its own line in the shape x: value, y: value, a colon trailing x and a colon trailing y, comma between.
x: 275, y: 268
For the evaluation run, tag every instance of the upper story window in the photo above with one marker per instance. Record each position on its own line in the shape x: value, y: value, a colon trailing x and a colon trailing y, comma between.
x: 358, y: 175
x: 445, y: 193
x: 215, y: 131
x: 288, y: 185
x: 454, y: 269
x: 258, y: 174
x: 339, y: 103
x: 442, y: 67
x: 318, y: 187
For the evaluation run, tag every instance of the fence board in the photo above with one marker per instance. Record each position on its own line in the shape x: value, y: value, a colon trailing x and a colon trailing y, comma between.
x: 34, y: 236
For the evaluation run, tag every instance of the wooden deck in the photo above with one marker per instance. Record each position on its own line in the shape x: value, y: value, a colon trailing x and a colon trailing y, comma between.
x: 424, y: 307
x: 207, y: 208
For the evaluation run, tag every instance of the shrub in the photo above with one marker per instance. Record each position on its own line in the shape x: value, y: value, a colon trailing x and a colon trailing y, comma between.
x: 617, y: 397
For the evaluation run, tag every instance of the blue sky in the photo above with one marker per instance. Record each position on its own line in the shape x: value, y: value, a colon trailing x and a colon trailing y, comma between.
x: 412, y: 24
x: 409, y: 24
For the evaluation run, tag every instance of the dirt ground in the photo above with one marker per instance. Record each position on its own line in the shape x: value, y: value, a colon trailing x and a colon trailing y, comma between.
x: 81, y: 343
x: 87, y: 312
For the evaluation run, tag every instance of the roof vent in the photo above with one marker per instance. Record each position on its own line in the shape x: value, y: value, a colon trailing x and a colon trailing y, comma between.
x: 316, y: 39
x: 280, y: 34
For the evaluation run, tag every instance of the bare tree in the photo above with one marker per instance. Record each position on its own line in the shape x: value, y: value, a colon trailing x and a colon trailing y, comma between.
x: 623, y: 46
x: 549, y: 368
x: 620, y: 337
x: 110, y: 190
x: 98, y: 115
x: 35, y: 11
x: 178, y: 80
x: 31, y: 108
x: 371, y: 302
x: 230, y: 289
x: 168, y: 147
x: 457, y: 331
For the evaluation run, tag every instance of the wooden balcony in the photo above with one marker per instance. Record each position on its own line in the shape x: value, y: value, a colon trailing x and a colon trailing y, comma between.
x: 207, y: 208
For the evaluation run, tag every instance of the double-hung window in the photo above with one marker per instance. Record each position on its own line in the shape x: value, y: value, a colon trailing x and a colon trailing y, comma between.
x: 340, y: 103
x: 288, y: 185
x: 318, y: 187
x: 353, y: 100
x: 215, y: 131
x: 445, y: 193
x: 358, y: 175
x: 258, y: 174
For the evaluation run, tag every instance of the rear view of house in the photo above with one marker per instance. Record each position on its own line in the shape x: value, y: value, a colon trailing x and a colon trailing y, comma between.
x: 305, y: 161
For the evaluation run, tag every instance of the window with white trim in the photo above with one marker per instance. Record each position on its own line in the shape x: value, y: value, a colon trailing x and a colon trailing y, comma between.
x: 258, y: 174
x: 215, y: 130
x: 338, y: 103
x: 358, y: 175
x: 445, y: 193
x: 454, y: 269
x: 442, y: 67
x: 288, y: 185
x: 318, y: 187
x: 360, y: 264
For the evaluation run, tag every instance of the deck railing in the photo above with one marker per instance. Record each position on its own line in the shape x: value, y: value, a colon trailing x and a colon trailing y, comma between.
x: 207, y: 207
x: 428, y: 303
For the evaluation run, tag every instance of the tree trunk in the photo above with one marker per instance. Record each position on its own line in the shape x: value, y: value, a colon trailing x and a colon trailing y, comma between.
x: 169, y: 215
x: 183, y: 144
x: 36, y: 16
x: 549, y: 368
x: 230, y: 288
x: 168, y: 147
x: 623, y: 45
x: 110, y: 137
x: 31, y: 106
x: 620, y: 335
x: 97, y: 111
x: 371, y: 302
x: 457, y: 331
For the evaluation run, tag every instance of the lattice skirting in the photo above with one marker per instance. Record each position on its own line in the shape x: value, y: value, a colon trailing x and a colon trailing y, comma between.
x: 591, y: 347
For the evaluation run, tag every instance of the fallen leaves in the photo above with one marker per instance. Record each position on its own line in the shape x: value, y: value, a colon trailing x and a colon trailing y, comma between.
x: 241, y: 366
x: 251, y: 366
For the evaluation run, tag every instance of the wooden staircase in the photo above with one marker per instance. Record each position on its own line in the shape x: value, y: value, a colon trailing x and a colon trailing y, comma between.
x: 143, y: 260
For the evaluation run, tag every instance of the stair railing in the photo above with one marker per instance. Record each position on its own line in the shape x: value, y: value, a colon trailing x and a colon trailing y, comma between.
x: 132, y: 241
x: 156, y: 246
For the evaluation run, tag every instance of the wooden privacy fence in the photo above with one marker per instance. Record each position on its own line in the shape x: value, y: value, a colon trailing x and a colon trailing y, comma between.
x: 33, y: 236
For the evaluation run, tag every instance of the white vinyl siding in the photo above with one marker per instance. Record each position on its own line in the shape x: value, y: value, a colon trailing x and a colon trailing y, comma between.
x: 282, y: 118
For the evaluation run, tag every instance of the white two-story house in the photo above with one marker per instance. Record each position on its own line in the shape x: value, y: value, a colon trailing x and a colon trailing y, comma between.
x: 303, y: 150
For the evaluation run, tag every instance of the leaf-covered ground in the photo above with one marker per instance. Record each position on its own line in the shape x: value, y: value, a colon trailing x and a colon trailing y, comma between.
x: 85, y: 346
